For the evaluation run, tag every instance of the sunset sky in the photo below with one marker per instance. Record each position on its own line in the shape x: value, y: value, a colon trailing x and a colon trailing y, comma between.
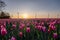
x: 30, y: 8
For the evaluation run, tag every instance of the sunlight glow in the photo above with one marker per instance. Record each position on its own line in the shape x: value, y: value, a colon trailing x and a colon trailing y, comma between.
x: 25, y: 15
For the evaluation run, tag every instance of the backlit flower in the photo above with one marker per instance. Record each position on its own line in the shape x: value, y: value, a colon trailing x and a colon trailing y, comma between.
x: 28, y: 29
x: 13, y: 38
x: 3, y: 31
x: 21, y: 34
x: 55, y: 35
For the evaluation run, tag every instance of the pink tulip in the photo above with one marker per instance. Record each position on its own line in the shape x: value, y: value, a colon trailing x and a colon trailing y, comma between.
x: 42, y: 23
x: 3, y: 31
x: 28, y: 29
x: 21, y: 34
x: 55, y: 35
x: 13, y: 38
x: 44, y: 29
x: 28, y: 24
x: 2, y: 26
x: 5, y: 24
x: 52, y: 23
x: 48, y: 30
x: 22, y: 25
x: 39, y: 27
x: 14, y: 26
x: 52, y: 27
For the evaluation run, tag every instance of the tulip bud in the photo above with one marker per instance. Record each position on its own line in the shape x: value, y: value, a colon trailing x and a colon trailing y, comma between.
x: 21, y: 27
x: 3, y: 31
x: 44, y: 29
x: 22, y: 24
x: 28, y: 29
x: 39, y: 27
x: 55, y: 35
x: 13, y: 26
x: 13, y: 38
x: 5, y: 24
x: 42, y: 23
x: 52, y: 27
x: 48, y: 30
x: 28, y: 24
x: 21, y: 34
x: 2, y: 26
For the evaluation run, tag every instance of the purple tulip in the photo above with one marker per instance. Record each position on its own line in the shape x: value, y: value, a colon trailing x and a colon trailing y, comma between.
x: 13, y: 38
x: 55, y: 35
x: 44, y: 29
x: 28, y: 29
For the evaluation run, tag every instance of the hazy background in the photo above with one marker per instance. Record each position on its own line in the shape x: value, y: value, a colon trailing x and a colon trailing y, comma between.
x: 40, y: 8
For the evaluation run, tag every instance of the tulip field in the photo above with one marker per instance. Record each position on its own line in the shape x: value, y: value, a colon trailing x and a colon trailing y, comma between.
x: 30, y: 29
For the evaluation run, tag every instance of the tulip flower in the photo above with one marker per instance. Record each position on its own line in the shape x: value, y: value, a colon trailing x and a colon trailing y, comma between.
x: 39, y: 27
x: 42, y: 23
x: 13, y: 26
x: 2, y: 26
x: 3, y: 31
x: 52, y: 27
x: 22, y: 25
x: 44, y: 29
x: 28, y: 24
x: 28, y: 29
x: 5, y: 24
x: 49, y: 30
x: 55, y: 35
x: 13, y: 38
x: 21, y: 34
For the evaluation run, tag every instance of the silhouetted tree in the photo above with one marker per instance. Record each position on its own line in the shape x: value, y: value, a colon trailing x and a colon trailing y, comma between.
x: 2, y: 4
x: 4, y: 15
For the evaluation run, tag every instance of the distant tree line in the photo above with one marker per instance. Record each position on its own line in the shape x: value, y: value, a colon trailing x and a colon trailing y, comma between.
x: 3, y: 15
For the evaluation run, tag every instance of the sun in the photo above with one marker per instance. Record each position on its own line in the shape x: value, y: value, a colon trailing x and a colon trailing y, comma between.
x: 24, y: 15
